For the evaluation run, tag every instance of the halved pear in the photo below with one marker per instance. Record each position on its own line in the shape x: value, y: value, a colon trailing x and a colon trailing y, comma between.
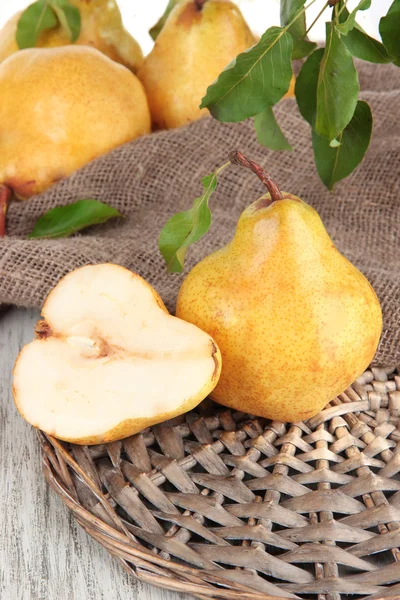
x: 109, y: 360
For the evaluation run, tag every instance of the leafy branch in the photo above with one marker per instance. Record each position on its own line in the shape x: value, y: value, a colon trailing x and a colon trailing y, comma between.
x: 187, y: 227
x: 327, y: 87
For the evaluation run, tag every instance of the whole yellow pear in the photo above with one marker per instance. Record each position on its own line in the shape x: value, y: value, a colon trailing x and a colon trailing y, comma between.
x: 101, y: 28
x: 59, y: 109
x: 295, y: 321
x: 197, y: 42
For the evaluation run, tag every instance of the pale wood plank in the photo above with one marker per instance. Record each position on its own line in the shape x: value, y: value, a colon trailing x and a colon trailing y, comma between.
x: 44, y: 555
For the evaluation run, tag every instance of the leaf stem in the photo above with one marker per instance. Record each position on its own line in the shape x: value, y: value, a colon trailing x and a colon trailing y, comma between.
x: 317, y: 17
x: 341, y: 9
x: 41, y: 17
x: 217, y: 171
x: 237, y: 158
x: 301, y: 11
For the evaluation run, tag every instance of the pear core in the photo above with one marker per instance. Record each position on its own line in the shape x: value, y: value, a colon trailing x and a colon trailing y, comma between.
x: 110, y: 360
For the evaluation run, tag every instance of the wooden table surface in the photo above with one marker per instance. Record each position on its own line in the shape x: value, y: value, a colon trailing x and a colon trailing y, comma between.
x: 44, y: 555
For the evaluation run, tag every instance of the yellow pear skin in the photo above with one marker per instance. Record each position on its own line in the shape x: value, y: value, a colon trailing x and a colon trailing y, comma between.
x: 76, y: 105
x: 101, y: 28
x: 295, y: 321
x: 198, y: 40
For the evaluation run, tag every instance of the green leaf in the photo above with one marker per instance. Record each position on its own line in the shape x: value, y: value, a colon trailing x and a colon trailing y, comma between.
x: 338, y: 87
x: 187, y: 227
x: 69, y: 18
x: 35, y: 19
x: 66, y: 220
x: 256, y: 79
x: 347, y: 24
x: 306, y: 86
x: 268, y: 131
x: 389, y: 28
x: 362, y: 46
x: 302, y: 47
x: 155, y: 30
x: 289, y: 9
x: 335, y: 163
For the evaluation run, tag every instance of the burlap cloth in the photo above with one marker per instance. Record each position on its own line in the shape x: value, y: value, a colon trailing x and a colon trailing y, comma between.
x: 150, y: 179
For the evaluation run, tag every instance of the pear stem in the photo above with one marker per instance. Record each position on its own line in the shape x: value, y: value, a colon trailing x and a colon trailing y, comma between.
x: 5, y: 195
x: 199, y: 4
x: 237, y: 158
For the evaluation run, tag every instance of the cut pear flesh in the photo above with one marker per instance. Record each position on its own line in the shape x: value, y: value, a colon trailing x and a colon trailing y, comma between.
x: 109, y: 360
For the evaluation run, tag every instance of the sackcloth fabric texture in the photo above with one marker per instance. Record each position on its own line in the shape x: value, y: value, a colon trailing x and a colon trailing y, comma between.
x: 152, y: 178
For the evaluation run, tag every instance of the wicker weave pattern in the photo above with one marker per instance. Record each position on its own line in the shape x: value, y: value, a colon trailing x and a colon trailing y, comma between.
x: 224, y: 505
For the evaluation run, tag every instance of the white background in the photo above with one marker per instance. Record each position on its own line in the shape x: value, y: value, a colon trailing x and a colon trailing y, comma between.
x: 140, y: 15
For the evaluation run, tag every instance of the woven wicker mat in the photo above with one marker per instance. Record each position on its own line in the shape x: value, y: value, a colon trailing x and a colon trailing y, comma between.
x: 220, y: 504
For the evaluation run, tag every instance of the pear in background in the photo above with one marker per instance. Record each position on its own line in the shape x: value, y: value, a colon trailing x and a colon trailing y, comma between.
x: 198, y: 40
x: 59, y: 109
x: 101, y: 27
x: 290, y: 93
x: 295, y: 321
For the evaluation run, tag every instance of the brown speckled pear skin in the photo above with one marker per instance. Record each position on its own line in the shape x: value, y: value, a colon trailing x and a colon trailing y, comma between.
x: 295, y: 321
